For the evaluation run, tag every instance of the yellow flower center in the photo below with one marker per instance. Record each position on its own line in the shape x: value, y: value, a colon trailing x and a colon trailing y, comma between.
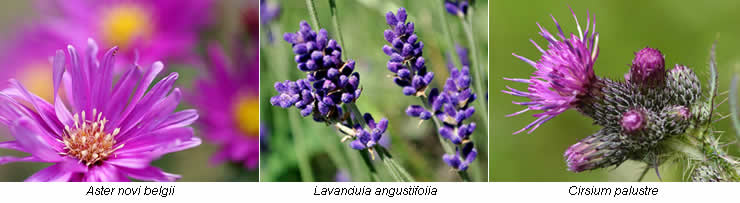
x: 87, y: 140
x: 124, y: 23
x: 246, y: 114
x: 37, y: 78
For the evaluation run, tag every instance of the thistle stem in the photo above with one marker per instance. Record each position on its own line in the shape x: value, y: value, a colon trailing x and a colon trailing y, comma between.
x: 312, y: 11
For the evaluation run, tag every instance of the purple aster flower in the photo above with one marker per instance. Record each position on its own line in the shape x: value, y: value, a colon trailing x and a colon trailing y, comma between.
x: 228, y: 99
x: 563, y: 76
x: 329, y: 81
x: 457, y: 7
x: 90, y: 134
x: 405, y: 50
x: 648, y: 67
x: 145, y: 31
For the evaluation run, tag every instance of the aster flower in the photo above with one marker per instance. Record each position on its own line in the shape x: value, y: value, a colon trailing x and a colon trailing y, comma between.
x: 229, y: 102
x: 92, y: 135
x: 144, y: 30
x: 329, y: 81
x: 457, y: 7
x: 563, y: 76
x: 405, y: 51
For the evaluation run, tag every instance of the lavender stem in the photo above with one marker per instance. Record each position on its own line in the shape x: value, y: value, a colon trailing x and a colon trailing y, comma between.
x: 312, y: 11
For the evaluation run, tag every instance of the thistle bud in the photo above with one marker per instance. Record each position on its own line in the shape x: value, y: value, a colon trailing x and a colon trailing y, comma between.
x: 684, y: 85
x: 706, y: 173
x: 600, y: 150
x: 677, y: 119
x: 633, y: 120
x: 648, y: 67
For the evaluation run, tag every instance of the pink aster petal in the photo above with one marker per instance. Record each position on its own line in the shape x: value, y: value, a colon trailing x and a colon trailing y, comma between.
x: 150, y: 173
x: 53, y: 173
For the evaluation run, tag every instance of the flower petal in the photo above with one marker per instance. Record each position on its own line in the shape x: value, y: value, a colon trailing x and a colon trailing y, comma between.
x: 150, y: 173
x: 52, y: 173
x: 28, y: 136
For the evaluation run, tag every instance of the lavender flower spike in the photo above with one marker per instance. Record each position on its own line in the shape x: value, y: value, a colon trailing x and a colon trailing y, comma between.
x: 457, y: 7
x: 329, y: 82
x: 563, y: 76
x: 408, y: 66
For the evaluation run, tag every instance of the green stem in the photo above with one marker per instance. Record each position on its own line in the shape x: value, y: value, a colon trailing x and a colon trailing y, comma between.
x: 335, y: 21
x: 301, y: 154
x: 476, y: 66
x: 446, y: 30
x: 314, y: 15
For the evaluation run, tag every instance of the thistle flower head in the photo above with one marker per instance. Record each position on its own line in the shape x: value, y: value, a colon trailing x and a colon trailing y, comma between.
x: 648, y: 67
x: 405, y: 52
x: 98, y: 137
x: 563, y: 76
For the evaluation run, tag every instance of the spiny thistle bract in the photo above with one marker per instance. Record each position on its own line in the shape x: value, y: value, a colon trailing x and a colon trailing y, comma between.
x: 641, y: 117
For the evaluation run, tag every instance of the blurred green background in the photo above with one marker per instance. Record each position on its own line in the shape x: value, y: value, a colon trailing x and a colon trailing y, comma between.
x: 682, y: 30
x: 192, y: 164
x: 318, y: 146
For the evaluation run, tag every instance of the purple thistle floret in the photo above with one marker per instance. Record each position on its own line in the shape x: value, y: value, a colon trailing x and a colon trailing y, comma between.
x: 405, y: 49
x: 457, y: 7
x: 365, y: 139
x: 563, y: 76
x: 329, y: 82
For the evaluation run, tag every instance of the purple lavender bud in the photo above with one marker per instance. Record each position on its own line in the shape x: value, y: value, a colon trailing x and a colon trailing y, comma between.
x: 387, y: 50
x: 409, y: 91
x: 415, y: 110
x: 404, y: 73
x: 648, y: 67
x: 452, y: 160
x: 457, y: 7
x: 633, y: 120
